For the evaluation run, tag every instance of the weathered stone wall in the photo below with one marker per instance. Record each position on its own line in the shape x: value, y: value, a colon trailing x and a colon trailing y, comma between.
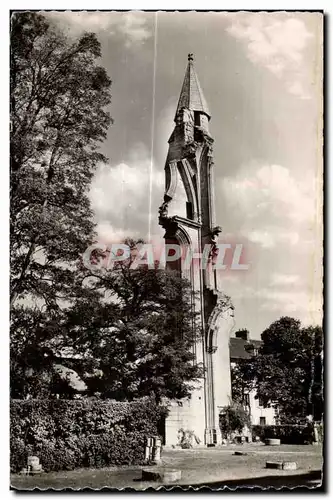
x: 189, y: 415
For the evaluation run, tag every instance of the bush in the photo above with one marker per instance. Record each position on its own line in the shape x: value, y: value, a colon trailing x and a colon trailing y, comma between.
x: 81, y: 433
x: 288, y: 434
x: 187, y: 438
x: 233, y: 418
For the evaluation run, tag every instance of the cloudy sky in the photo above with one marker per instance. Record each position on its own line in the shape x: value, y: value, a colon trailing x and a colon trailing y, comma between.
x: 261, y: 76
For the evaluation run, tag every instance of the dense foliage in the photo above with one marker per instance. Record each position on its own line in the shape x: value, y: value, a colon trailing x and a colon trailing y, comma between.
x: 146, y: 344
x: 59, y: 96
x: 288, y: 434
x: 137, y: 342
x: 58, y: 119
x: 233, y: 418
x: 125, y: 333
x: 241, y: 381
x: 69, y: 434
x: 288, y: 370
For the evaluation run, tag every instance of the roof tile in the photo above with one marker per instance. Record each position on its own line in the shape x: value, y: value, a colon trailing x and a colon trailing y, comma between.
x: 191, y: 96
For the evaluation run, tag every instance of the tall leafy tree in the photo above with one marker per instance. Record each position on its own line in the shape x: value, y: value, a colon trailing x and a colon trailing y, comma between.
x: 143, y: 342
x: 242, y: 380
x: 131, y: 333
x: 59, y: 95
x: 59, y: 99
x: 127, y: 333
x: 287, y: 372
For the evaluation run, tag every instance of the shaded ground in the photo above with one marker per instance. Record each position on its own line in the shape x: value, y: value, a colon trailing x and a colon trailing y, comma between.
x: 214, y: 467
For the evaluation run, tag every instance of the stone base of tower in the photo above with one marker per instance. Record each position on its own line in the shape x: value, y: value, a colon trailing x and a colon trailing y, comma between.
x: 189, y: 416
x: 186, y: 415
x: 199, y: 414
x: 213, y: 436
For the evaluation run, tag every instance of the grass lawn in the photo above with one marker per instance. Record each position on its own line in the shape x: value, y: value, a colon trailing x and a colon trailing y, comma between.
x: 202, y: 466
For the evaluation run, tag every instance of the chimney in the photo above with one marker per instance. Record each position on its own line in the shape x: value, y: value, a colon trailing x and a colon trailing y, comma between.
x: 242, y: 334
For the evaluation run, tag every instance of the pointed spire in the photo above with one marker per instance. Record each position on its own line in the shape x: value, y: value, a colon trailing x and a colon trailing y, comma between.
x: 191, y: 96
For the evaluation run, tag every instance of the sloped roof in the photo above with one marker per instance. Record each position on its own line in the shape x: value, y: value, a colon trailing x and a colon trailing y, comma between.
x: 191, y: 96
x: 240, y: 348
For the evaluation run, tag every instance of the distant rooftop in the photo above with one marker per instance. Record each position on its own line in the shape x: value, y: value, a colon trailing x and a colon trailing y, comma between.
x: 242, y: 349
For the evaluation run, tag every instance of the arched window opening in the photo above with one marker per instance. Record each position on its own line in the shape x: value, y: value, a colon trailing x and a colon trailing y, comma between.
x: 189, y: 210
x: 173, y: 265
x: 197, y: 120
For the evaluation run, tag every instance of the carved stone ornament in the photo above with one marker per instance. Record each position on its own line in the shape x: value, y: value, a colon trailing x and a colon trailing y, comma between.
x: 163, y: 210
x: 210, y: 150
x: 214, y: 234
x: 190, y: 149
x: 170, y: 225
x: 211, y: 349
x: 223, y: 306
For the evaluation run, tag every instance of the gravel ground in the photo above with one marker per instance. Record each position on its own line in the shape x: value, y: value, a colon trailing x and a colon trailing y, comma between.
x: 214, y: 467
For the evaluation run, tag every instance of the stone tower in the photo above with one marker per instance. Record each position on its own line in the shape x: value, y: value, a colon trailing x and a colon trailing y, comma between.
x: 189, y: 170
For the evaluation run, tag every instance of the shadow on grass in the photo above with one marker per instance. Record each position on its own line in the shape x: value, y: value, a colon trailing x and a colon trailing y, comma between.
x: 303, y: 482
x: 311, y: 479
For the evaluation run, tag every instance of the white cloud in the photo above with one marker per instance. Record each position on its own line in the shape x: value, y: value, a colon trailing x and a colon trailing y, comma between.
x: 291, y: 300
x: 276, y: 41
x: 133, y: 26
x: 284, y: 279
x: 109, y: 234
x: 272, y: 193
x: 282, y: 216
x: 296, y: 88
x: 302, y: 302
x: 272, y: 237
x: 264, y: 238
x: 120, y: 196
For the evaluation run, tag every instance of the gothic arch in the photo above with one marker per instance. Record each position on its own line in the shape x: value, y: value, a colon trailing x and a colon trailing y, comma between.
x: 179, y: 236
x: 218, y: 324
x: 171, y: 179
x: 182, y: 236
x: 207, y: 176
x: 224, y: 308
x: 185, y: 174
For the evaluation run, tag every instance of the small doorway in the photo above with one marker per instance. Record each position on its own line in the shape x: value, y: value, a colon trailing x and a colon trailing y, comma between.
x: 262, y: 421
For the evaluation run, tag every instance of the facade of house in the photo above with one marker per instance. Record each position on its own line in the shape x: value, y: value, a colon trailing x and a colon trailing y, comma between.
x: 242, y: 347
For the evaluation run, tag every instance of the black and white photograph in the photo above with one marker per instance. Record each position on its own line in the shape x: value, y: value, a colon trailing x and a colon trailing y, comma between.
x: 166, y: 250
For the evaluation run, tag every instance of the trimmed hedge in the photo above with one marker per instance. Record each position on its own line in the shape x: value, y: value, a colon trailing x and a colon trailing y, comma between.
x: 288, y: 434
x: 81, y: 433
